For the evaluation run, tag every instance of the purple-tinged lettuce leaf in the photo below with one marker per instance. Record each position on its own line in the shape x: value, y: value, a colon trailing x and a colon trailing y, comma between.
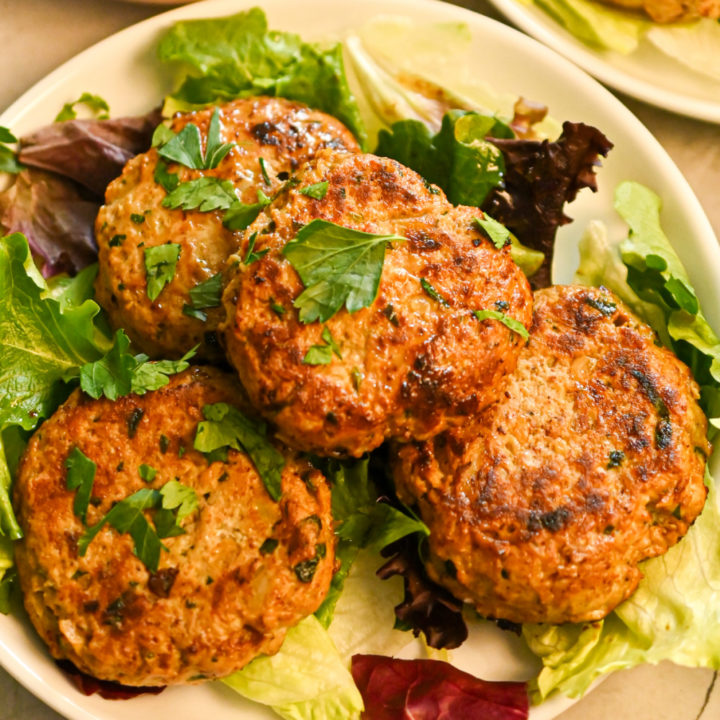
x: 91, y: 152
x: 540, y: 177
x: 54, y: 217
x: 426, y: 607
x: 394, y: 689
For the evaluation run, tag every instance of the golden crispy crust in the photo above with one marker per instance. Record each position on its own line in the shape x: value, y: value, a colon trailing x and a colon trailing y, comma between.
x: 410, y: 366
x: 282, y: 132
x: 592, y: 462
x: 217, y: 599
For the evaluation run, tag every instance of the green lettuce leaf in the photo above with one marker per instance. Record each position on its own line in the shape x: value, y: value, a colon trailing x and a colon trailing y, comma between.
x: 237, y: 56
x: 646, y: 272
x: 47, y: 332
x: 675, y: 612
x: 692, y: 44
x: 673, y: 615
x: 597, y: 25
x: 458, y: 158
x: 306, y: 680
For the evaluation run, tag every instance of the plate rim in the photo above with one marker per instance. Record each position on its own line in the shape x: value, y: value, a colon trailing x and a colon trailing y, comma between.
x: 25, y: 674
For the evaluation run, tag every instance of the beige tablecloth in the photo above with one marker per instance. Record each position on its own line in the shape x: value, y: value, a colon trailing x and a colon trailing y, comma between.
x: 38, y: 35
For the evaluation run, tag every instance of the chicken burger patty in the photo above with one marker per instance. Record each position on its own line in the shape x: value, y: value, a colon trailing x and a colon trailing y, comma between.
x: 234, y: 574
x: 670, y: 11
x: 591, y: 462
x: 413, y: 362
x: 133, y: 221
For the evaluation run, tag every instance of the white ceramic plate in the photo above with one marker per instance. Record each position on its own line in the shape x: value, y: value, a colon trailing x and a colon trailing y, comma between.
x: 122, y: 69
x: 646, y: 74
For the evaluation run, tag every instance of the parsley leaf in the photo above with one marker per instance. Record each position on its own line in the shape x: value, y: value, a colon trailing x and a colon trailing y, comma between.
x: 514, y: 325
x: 153, y: 374
x: 204, y: 194
x: 322, y: 354
x: 225, y: 426
x: 127, y: 516
x: 208, y: 293
x: 338, y: 266
x: 317, y: 191
x: 160, y: 262
x: 119, y: 372
x: 8, y: 158
x: 80, y: 477
x: 163, y: 177
x: 185, y: 147
x: 498, y: 233
x: 251, y: 256
x: 147, y: 473
x: 112, y: 374
x: 240, y: 214
x: 179, y: 497
x: 433, y: 293
x: 263, y: 170
x: 97, y: 105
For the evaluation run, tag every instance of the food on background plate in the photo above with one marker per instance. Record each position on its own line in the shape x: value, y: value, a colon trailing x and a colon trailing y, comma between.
x: 235, y: 556
x: 665, y: 11
x: 181, y: 205
x: 307, y: 676
x: 688, y: 33
x: 385, y: 275
x: 591, y: 462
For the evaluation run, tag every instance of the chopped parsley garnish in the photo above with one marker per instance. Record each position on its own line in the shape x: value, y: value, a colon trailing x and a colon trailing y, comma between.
x: 147, y: 473
x: 277, y: 308
x: 305, y: 571
x: 514, y: 325
x: 116, y: 240
x: 8, y: 157
x: 180, y: 498
x: 225, y: 426
x: 163, y: 177
x: 133, y: 421
x: 80, y: 477
x: 204, y: 194
x: 433, y: 293
x: 602, y: 305
x: 322, y: 354
x: 97, y: 105
x: 338, y: 266
x: 120, y: 372
x: 137, y: 218
x: 269, y: 546
x: 208, y: 293
x: 172, y: 503
x: 240, y: 215
x: 127, y: 516
x: 615, y: 459
x: 263, y: 170
x: 317, y: 191
x: 185, y: 147
x: 499, y: 235
x: 160, y: 263
x: 251, y: 256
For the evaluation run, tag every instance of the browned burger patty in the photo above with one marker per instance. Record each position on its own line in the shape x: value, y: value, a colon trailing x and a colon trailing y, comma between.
x: 412, y: 363
x: 669, y: 11
x: 245, y: 569
x: 283, y: 133
x: 592, y: 462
